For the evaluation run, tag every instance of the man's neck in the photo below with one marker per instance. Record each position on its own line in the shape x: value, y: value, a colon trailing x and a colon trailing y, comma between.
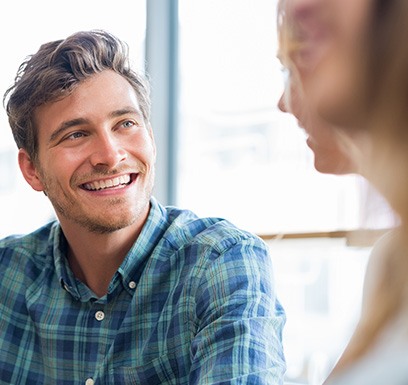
x: 95, y: 258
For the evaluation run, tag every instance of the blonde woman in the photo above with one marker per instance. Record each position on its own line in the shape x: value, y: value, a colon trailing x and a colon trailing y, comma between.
x: 348, y: 61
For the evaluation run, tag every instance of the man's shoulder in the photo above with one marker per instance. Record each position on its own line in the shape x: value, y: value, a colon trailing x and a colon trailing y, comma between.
x: 188, y: 228
x: 32, y: 246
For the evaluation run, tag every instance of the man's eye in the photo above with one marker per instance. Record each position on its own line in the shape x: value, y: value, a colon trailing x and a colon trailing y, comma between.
x: 75, y: 135
x: 128, y: 123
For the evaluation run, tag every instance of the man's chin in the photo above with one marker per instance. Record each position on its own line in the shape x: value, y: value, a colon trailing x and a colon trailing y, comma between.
x: 98, y: 228
x: 98, y: 225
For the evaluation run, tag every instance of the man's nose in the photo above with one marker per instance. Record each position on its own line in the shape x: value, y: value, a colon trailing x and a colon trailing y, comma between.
x: 108, y: 151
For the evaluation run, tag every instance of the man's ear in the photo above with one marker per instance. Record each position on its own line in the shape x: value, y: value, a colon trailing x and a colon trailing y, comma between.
x: 29, y: 170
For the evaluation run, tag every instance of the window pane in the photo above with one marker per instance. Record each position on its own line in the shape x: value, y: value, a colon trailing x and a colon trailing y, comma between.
x: 24, y: 25
x: 310, y: 277
x: 239, y: 156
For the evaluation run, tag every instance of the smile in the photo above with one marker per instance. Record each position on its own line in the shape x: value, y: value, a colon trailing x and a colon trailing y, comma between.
x: 117, y: 182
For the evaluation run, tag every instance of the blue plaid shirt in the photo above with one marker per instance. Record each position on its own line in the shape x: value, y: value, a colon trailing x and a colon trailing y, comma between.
x: 192, y: 303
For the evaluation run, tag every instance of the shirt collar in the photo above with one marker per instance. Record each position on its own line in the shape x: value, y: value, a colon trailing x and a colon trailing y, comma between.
x: 133, y: 264
x: 152, y: 232
x: 64, y: 273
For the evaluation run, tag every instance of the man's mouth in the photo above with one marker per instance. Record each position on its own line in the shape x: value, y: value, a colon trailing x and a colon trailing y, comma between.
x: 116, y: 182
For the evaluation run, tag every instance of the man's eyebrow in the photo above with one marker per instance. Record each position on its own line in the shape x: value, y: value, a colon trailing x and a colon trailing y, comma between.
x: 125, y: 111
x: 65, y: 126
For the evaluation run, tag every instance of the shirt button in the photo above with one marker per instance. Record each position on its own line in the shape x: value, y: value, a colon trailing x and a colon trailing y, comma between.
x: 132, y: 284
x: 99, y: 315
x: 89, y: 381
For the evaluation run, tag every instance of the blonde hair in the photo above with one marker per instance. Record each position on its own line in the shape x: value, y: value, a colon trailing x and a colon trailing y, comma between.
x: 386, y: 116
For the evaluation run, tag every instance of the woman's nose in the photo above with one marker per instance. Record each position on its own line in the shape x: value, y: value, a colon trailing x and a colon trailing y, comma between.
x: 282, y: 104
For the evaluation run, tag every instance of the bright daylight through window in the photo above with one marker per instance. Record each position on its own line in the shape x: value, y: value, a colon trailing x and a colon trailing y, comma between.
x: 239, y: 156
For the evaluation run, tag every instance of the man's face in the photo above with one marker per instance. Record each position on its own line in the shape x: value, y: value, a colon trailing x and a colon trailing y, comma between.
x: 96, y: 156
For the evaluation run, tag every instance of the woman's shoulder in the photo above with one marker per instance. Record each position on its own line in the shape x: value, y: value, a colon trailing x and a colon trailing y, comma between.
x: 382, y: 366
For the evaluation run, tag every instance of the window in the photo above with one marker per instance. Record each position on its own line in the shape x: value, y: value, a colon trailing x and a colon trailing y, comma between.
x: 24, y: 25
x: 239, y: 157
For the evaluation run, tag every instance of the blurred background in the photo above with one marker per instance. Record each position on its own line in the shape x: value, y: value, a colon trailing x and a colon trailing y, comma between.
x: 224, y: 149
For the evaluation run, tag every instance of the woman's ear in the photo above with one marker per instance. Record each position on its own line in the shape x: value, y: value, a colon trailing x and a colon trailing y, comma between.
x: 29, y: 170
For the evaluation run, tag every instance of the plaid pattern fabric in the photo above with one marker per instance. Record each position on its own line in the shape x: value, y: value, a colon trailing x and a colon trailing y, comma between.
x: 192, y: 303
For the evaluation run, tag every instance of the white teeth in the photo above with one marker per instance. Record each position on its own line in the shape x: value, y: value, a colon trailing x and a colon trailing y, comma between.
x: 108, y: 183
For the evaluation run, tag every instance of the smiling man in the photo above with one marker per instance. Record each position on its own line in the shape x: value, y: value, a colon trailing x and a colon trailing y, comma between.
x: 120, y: 289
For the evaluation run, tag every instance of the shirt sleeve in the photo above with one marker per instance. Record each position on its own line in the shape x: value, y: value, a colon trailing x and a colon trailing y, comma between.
x: 239, y: 319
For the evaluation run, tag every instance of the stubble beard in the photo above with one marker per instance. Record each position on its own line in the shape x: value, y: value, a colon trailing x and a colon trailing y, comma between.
x: 66, y: 208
